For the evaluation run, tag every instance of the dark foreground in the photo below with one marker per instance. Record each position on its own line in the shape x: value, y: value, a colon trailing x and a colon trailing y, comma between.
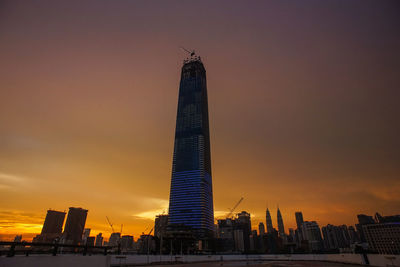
x: 266, y: 263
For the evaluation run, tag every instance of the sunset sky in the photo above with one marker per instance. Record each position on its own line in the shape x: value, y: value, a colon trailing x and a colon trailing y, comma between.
x: 304, y: 104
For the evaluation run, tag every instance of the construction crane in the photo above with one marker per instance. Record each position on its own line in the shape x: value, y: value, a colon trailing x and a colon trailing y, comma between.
x: 234, y: 207
x: 145, y: 230
x: 151, y: 230
x: 111, y: 225
x: 191, y: 53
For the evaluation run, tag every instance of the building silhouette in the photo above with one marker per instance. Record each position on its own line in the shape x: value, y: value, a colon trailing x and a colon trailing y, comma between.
x: 74, y: 226
x: 114, y: 239
x: 243, y: 223
x: 270, y: 228
x: 18, y: 238
x: 160, y: 225
x: 363, y: 220
x: 299, y: 219
x: 261, y: 229
x: 99, y: 240
x: 127, y: 242
x: 281, y: 227
x: 191, y: 197
x: 383, y: 236
x: 235, y: 234
x: 299, y: 231
x: 312, y: 233
x: 53, y: 223
x: 85, y: 235
x: 90, y: 241
x: 52, y: 227
x: 239, y: 240
x: 336, y: 237
x: 354, y: 237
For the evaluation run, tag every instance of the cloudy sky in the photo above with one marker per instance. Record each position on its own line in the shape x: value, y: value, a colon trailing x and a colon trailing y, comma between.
x: 303, y: 102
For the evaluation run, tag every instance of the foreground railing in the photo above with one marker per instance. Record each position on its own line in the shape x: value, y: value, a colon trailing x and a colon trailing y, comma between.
x: 13, y: 248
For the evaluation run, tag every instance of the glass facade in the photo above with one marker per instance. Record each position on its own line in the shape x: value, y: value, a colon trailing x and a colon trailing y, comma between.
x: 191, y: 199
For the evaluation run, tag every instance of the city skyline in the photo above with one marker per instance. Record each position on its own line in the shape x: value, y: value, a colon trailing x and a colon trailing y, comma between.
x: 303, y: 103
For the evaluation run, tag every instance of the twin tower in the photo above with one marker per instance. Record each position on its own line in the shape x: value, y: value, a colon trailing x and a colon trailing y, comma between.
x: 191, y: 197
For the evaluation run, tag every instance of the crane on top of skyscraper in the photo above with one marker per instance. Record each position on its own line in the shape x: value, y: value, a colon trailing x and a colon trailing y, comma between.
x: 191, y: 53
x: 234, y: 207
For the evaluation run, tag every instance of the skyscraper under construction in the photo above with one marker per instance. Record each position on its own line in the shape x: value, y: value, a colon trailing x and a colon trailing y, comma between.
x: 191, y: 197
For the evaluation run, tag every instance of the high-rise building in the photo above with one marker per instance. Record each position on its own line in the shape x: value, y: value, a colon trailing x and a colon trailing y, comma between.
x: 74, y: 225
x: 382, y: 235
x: 127, y: 242
x: 261, y: 229
x: 18, y: 238
x: 383, y: 238
x: 354, y: 238
x: 160, y: 225
x: 239, y: 240
x: 54, y: 222
x: 299, y: 223
x: 243, y: 222
x: 292, y: 235
x: 191, y: 197
x: 86, y: 234
x: 299, y: 219
x: 99, y: 240
x: 90, y: 241
x: 335, y: 237
x: 52, y: 227
x: 114, y: 239
x: 253, y: 240
x: 226, y: 228
x: 363, y: 220
x: 270, y: 228
x: 312, y: 233
x: 281, y: 227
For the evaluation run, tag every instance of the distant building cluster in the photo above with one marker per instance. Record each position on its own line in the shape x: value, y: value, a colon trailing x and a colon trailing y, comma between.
x: 52, y: 230
x: 75, y: 232
x: 233, y: 235
x: 236, y: 235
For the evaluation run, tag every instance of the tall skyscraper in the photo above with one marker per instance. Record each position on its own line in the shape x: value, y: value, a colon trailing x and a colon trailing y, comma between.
x: 299, y: 230
x: 270, y: 228
x: 299, y: 219
x: 74, y: 225
x: 281, y: 228
x: 53, y: 223
x: 52, y: 227
x: 191, y: 198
